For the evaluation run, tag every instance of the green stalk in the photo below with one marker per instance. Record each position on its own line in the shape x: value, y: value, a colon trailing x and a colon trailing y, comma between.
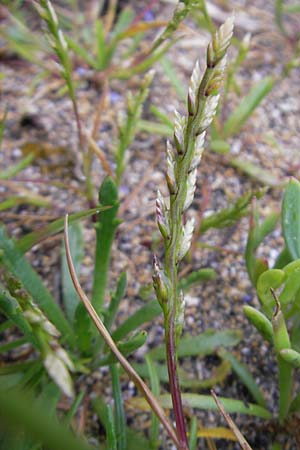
x: 182, y: 162
x: 281, y: 342
x: 120, y: 420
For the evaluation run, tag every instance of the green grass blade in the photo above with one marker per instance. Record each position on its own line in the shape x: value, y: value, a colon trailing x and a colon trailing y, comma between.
x: 197, y: 276
x: 29, y: 240
x: 145, y: 314
x: 74, y: 407
x: 229, y: 215
x: 245, y: 376
x: 120, y: 419
x: 204, y: 344
x: 206, y: 402
x: 154, y: 383
x: 170, y: 72
x: 81, y: 52
x: 106, y: 417
x: 218, y: 376
x: 15, y: 262
x: 247, y: 106
x: 193, y: 434
x: 12, y: 344
x: 15, y: 169
x: 256, y: 172
x: 70, y: 296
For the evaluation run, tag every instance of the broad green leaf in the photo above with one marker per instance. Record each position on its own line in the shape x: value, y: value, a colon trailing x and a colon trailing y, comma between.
x: 291, y: 218
x: 70, y: 296
x: 29, y: 240
x: 15, y: 262
x: 272, y: 278
x: 206, y: 402
x: 203, y: 344
x: 247, y: 106
x: 245, y: 376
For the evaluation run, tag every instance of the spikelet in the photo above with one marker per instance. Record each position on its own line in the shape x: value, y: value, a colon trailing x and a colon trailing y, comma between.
x: 193, y: 88
x: 186, y: 239
x: 220, y: 42
x: 179, y: 129
x: 162, y: 216
x: 191, y: 186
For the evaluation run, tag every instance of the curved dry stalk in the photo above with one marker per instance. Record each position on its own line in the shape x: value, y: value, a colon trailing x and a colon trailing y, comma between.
x: 139, y: 383
x: 241, y: 440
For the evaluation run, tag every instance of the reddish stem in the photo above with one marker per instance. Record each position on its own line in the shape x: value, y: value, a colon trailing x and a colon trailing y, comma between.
x: 175, y: 387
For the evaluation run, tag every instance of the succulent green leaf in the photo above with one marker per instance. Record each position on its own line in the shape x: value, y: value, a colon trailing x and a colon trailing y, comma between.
x: 272, y: 278
x: 260, y: 321
x: 290, y: 356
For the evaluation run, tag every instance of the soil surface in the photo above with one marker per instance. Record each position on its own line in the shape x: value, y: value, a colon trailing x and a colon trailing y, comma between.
x: 40, y: 120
